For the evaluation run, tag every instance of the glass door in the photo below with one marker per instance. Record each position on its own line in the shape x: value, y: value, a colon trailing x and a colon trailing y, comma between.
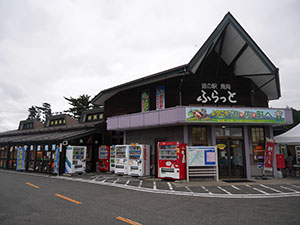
x: 231, y: 159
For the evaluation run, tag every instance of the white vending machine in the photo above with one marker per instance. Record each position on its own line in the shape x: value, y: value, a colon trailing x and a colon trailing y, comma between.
x: 112, y: 158
x: 138, y: 160
x: 121, y: 159
x: 75, y: 159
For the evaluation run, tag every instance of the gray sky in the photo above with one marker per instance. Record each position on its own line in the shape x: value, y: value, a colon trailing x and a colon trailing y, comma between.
x: 51, y: 49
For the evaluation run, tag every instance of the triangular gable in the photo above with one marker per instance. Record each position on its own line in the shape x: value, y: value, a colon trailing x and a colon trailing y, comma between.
x: 238, y: 50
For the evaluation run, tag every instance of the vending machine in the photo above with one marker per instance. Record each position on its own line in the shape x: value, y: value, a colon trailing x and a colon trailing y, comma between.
x: 103, y: 158
x: 138, y: 160
x: 112, y: 158
x: 171, y: 160
x: 121, y: 159
x: 75, y: 159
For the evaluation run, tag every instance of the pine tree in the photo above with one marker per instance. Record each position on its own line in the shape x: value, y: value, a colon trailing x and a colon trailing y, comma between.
x: 79, y: 105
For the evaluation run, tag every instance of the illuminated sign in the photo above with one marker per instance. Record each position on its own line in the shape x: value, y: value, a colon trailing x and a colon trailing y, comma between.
x: 234, y: 115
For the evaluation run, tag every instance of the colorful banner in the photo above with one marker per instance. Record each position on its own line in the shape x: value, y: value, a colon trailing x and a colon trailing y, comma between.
x: 234, y: 115
x: 21, y: 159
x: 145, y: 101
x: 269, y: 154
x: 160, y: 97
x: 56, y: 160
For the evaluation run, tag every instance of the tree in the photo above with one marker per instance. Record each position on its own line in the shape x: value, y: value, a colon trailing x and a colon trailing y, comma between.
x: 41, y: 113
x: 33, y: 113
x: 79, y: 105
x: 45, y: 110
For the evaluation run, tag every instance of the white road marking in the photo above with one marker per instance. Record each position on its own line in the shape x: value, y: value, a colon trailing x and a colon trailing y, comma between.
x: 205, y: 189
x: 154, y: 185
x: 127, y: 182
x: 116, y: 180
x: 273, y: 189
x: 235, y: 187
x: 187, y: 188
x: 140, y: 185
x: 96, y: 177
x: 170, y: 186
x: 289, y: 189
x: 150, y: 190
x: 103, y: 181
x: 222, y: 189
x: 256, y: 189
x: 296, y: 186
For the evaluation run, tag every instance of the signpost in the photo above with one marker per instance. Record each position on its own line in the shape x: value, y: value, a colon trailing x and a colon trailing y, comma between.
x: 202, y: 161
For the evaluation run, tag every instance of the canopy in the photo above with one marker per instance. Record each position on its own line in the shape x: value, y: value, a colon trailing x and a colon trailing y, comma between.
x: 291, y: 137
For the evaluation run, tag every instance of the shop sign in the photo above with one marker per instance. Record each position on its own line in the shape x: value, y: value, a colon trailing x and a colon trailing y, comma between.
x: 211, y: 93
x: 21, y: 159
x: 145, y: 101
x: 234, y: 115
x: 268, y: 164
x: 160, y: 97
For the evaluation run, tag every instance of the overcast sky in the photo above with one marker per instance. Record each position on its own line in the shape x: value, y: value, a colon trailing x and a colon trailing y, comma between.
x: 51, y: 49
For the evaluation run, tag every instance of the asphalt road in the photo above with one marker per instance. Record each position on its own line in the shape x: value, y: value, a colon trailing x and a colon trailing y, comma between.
x: 27, y: 199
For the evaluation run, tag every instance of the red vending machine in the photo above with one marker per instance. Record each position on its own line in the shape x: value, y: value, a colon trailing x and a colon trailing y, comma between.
x: 172, y: 160
x: 103, y: 160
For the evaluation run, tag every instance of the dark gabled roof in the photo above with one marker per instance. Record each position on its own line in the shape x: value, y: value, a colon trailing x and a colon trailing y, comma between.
x: 90, y: 111
x: 239, y: 51
x: 52, y: 133
x: 236, y: 48
x: 107, y: 93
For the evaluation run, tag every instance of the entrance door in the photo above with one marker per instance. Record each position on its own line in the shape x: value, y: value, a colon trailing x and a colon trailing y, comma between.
x: 231, y: 159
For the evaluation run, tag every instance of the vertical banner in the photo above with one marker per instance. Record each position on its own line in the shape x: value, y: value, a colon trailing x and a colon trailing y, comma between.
x: 269, y: 154
x: 145, y: 101
x: 21, y: 159
x: 160, y: 97
x: 56, y: 160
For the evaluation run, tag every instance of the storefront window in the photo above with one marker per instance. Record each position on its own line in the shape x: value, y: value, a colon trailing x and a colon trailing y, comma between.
x: 229, y: 131
x: 258, y: 143
x: 199, y: 136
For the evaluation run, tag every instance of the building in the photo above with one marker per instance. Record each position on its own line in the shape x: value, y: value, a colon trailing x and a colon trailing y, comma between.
x: 221, y: 97
x: 41, y: 141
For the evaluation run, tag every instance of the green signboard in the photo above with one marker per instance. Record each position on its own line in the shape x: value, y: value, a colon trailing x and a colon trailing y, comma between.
x: 235, y: 115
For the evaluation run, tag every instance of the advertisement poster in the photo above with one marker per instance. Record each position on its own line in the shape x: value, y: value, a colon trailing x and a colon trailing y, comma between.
x: 269, y: 153
x: 145, y: 101
x: 234, y: 115
x: 21, y: 159
x: 160, y: 97
x: 56, y: 160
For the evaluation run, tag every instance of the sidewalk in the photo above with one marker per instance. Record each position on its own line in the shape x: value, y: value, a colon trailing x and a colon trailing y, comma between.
x: 199, y: 182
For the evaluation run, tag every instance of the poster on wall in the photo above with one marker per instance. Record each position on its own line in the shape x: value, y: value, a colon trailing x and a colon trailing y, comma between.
x: 145, y: 101
x: 56, y: 160
x: 269, y: 153
x: 160, y: 97
x: 21, y: 159
x: 234, y: 115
